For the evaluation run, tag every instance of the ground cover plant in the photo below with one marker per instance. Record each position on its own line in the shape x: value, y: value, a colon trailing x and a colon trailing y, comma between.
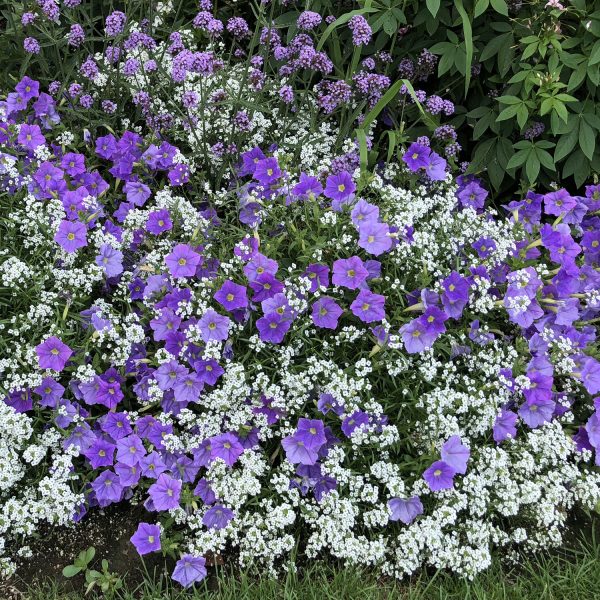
x: 240, y: 286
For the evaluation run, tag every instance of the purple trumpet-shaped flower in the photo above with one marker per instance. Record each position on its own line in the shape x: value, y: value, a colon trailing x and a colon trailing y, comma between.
x: 53, y: 354
x: 146, y: 539
x: 405, y: 509
x: 439, y: 476
x: 165, y: 492
x: 189, y: 569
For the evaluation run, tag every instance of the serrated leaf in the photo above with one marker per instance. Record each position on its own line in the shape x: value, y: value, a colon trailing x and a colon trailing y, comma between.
x: 587, y: 139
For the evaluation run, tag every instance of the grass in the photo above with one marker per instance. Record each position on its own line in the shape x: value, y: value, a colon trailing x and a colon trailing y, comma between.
x: 572, y: 575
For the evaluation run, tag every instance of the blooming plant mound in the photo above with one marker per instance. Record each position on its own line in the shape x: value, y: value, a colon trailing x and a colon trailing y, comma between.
x: 367, y: 366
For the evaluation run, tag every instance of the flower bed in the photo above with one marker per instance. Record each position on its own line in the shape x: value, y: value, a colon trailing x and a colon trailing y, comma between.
x: 278, y: 346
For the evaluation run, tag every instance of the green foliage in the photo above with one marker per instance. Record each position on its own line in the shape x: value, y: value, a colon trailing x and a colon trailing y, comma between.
x: 571, y: 574
x: 508, y: 66
x: 105, y: 580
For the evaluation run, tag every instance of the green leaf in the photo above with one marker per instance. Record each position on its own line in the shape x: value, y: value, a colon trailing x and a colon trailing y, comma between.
x: 468, y: 35
x: 387, y: 98
x: 587, y: 139
x: 561, y: 110
x: 522, y: 115
x: 532, y: 167
x: 508, y: 113
x: 500, y: 6
x: 433, y: 6
x: 518, y: 159
x: 71, y: 571
x: 545, y: 158
x: 390, y: 25
x: 494, y: 45
x: 510, y: 100
x: 595, y: 54
x: 89, y: 554
x: 362, y: 144
x: 577, y: 77
x: 591, y: 119
x: 480, y: 7
x: 446, y: 61
x: 566, y: 143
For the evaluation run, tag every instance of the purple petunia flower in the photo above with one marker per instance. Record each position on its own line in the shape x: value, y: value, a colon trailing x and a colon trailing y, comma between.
x: 232, y: 296
x: 53, y: 354
x: 308, y: 188
x: 107, y: 488
x: 189, y: 569
x: 217, y: 517
x: 188, y: 388
x: 50, y: 391
x: 374, y: 237
x: 455, y: 454
x: 273, y: 327
x: 416, y: 157
x: 165, y: 492
x: 590, y: 374
x: 349, y: 272
x: 364, y: 212
x: 405, y: 509
x: 137, y: 192
x: 536, y: 412
x: 439, y: 476
x: 339, y: 188
x: 110, y: 260
x: 559, y: 202
x: 505, y: 426
x: 267, y: 171
x: 472, y: 195
x: 436, y: 169
x: 326, y: 313
x: 30, y: 136
x: 318, y: 275
x: 100, y: 454
x: 182, y: 261
x: 146, y: 539
x: 368, y: 307
x: 213, y: 326
x: 455, y: 295
x: 130, y: 450
x: 226, y: 447
x: 28, y: 88
x: 357, y: 419
x: 159, y: 221
x: 71, y: 235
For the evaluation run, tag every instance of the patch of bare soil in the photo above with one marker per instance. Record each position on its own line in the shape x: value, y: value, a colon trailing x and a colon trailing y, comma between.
x: 108, y: 531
